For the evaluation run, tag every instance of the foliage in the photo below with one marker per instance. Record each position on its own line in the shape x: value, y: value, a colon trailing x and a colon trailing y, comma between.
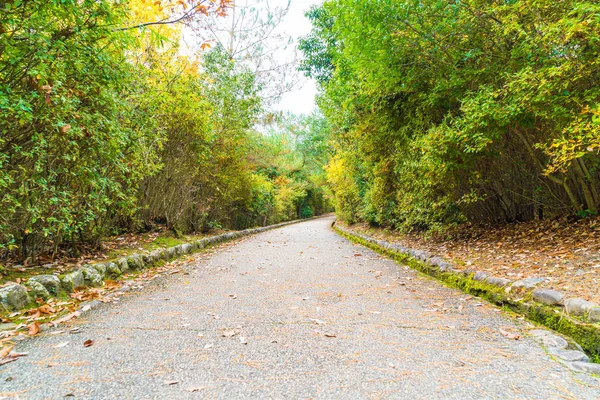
x: 73, y: 144
x: 108, y: 127
x: 290, y: 159
x: 252, y: 35
x: 451, y: 110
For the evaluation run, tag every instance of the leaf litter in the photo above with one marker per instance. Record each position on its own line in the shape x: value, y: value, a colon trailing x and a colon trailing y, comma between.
x: 566, y: 251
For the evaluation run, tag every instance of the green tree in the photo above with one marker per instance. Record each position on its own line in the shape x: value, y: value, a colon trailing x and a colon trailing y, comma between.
x: 451, y: 110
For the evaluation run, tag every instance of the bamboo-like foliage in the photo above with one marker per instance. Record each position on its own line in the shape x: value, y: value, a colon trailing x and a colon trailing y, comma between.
x: 446, y: 110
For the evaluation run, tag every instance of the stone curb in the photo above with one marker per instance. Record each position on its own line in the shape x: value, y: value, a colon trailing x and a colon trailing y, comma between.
x: 17, y: 296
x: 541, y: 301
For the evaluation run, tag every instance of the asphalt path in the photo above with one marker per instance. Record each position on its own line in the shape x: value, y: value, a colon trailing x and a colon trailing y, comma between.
x: 293, y: 313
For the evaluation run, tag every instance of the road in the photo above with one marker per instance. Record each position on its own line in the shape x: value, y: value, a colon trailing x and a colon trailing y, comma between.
x: 297, y: 313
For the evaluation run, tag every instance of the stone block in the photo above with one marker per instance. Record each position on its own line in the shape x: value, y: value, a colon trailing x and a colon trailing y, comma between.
x: 50, y: 282
x: 548, y: 296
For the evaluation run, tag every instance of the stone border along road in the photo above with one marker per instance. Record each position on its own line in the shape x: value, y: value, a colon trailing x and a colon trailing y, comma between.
x: 16, y: 297
x: 531, y: 302
x: 297, y: 312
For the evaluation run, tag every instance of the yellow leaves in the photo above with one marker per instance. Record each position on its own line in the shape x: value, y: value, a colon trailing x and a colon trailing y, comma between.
x: 581, y: 136
x: 203, y: 10
x: 144, y: 11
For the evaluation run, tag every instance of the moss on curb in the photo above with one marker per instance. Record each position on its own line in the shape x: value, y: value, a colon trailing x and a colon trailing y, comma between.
x: 586, y: 335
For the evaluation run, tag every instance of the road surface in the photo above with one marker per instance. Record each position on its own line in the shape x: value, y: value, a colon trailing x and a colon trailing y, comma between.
x: 295, y: 313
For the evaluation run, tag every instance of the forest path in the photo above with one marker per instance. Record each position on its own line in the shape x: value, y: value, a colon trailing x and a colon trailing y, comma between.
x: 322, y: 318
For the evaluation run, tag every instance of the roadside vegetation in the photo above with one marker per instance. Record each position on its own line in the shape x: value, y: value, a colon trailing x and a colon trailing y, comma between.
x: 444, y: 111
x: 111, y: 125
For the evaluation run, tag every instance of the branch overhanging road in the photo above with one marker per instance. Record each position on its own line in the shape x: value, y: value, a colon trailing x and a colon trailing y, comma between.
x: 297, y: 312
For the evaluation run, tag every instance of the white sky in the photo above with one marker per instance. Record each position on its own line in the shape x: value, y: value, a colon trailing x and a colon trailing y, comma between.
x: 302, y: 99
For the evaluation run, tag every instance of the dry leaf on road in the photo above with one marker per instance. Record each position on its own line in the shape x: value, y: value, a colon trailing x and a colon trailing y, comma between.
x: 66, y: 318
x: 510, y: 335
x: 33, y: 329
x: 5, y: 351
x: 229, y: 332
x: 195, y: 389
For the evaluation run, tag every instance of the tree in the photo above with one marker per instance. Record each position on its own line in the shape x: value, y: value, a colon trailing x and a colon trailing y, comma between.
x: 444, y: 111
x: 252, y: 36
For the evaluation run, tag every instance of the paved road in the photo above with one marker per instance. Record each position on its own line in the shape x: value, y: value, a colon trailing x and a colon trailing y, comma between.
x: 288, y: 292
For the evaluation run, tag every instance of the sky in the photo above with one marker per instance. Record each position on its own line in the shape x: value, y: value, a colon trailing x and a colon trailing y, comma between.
x: 302, y: 99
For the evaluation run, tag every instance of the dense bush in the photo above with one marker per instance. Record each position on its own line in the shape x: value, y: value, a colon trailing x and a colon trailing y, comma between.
x: 106, y: 127
x: 443, y: 110
x: 73, y: 143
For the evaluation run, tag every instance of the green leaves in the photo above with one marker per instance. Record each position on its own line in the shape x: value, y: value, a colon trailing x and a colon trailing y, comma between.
x: 66, y: 91
x: 433, y: 102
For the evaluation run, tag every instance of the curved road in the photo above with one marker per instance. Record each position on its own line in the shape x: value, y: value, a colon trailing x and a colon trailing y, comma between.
x: 300, y: 313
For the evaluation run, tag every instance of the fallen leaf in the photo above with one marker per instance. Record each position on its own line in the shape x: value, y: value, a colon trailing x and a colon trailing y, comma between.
x: 510, y: 335
x: 33, y: 329
x: 88, y: 343
x: 195, y: 389
x: 328, y: 334
x: 229, y: 333
x: 7, y: 360
x: 46, y: 309
x: 66, y: 318
x: 167, y: 382
x: 5, y: 351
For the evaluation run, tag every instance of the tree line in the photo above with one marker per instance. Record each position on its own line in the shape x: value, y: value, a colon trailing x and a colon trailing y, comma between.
x: 109, y: 125
x: 450, y: 111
